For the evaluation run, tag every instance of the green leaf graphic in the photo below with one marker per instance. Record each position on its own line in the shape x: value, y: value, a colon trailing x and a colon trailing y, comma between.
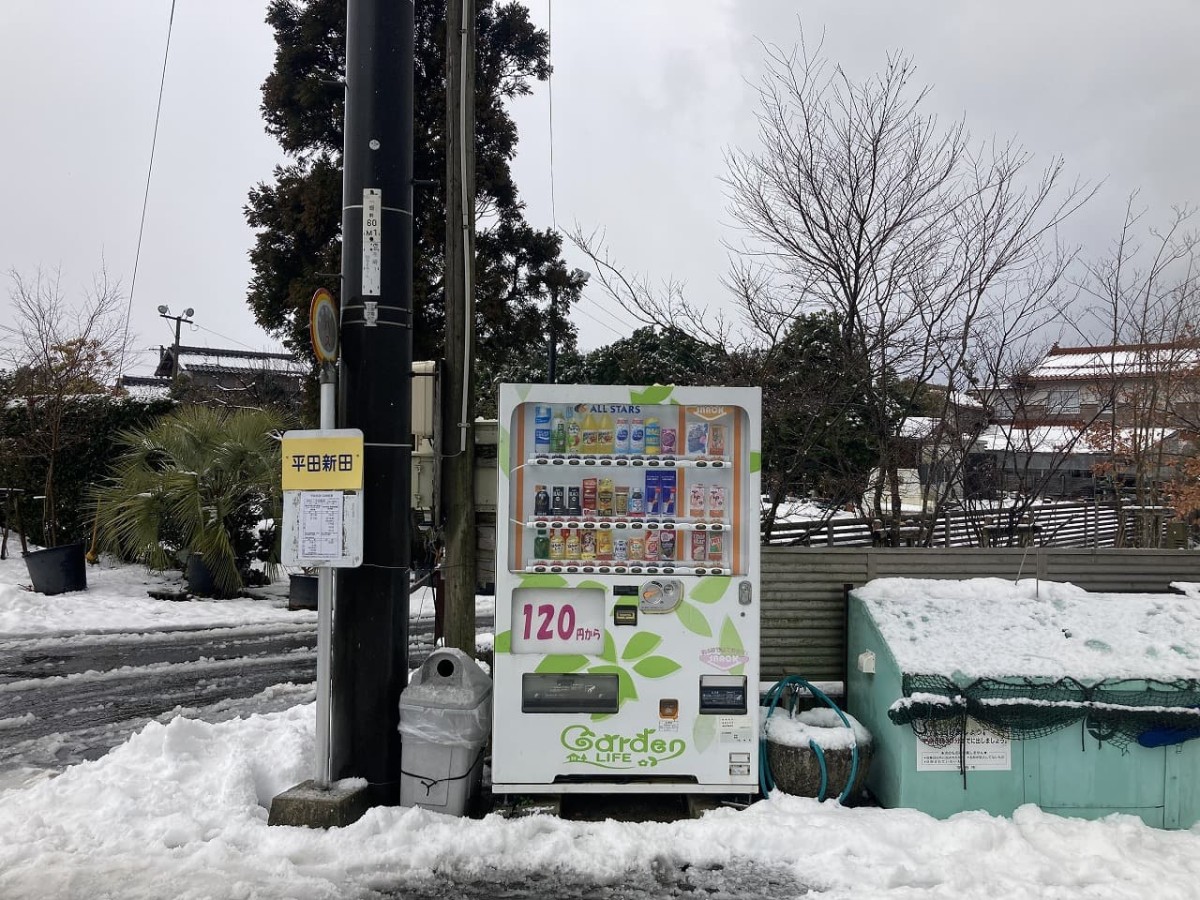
x: 755, y: 460
x: 704, y: 732
x: 523, y: 391
x: 656, y: 393
x: 502, y: 451
x: 543, y: 580
x: 561, y: 663
x: 711, y: 588
x: 730, y: 640
x: 625, y: 688
x: 693, y: 620
x: 656, y: 667
x: 641, y: 644
x: 590, y: 583
x: 609, y: 653
x: 502, y: 643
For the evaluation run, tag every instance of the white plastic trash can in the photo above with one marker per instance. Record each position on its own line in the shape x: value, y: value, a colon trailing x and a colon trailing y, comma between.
x: 445, y: 722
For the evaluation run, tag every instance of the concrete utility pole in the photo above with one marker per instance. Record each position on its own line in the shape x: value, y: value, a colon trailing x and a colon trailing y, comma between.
x: 370, y: 634
x: 458, y: 411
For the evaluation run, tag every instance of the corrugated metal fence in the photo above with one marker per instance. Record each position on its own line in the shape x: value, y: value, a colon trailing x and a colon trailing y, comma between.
x: 804, y: 589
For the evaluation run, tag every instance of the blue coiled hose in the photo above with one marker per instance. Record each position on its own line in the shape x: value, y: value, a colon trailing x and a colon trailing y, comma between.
x: 766, y: 781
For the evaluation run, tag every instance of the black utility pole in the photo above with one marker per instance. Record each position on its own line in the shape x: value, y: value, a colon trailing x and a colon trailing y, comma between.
x: 370, y: 633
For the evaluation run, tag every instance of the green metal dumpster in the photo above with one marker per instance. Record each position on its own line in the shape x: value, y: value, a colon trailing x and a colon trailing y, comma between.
x: 987, y: 694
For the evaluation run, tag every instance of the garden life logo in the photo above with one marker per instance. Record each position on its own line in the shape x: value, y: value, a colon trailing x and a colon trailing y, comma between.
x: 618, y: 751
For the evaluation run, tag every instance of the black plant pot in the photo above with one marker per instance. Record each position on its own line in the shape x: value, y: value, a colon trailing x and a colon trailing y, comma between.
x: 58, y: 570
x: 200, y: 580
x: 302, y: 592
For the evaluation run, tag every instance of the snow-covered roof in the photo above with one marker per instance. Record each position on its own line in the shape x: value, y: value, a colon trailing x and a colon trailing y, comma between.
x: 917, y: 427
x: 1039, y: 439
x: 1115, y: 361
x: 1065, y: 439
x: 990, y: 627
x: 216, y: 361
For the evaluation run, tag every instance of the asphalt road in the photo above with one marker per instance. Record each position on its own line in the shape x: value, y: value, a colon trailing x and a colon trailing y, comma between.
x: 64, y: 699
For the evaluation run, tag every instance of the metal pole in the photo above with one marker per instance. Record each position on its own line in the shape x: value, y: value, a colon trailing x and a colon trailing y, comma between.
x: 323, y: 761
x: 370, y: 634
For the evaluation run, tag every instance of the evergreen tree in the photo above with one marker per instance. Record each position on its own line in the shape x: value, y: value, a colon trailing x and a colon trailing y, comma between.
x: 299, y: 215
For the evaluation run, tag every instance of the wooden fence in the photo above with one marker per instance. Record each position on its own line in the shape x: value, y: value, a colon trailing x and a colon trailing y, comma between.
x: 1081, y: 524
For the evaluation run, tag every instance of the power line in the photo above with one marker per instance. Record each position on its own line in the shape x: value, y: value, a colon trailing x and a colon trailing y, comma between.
x: 146, y: 195
x: 550, y: 92
x: 226, y: 337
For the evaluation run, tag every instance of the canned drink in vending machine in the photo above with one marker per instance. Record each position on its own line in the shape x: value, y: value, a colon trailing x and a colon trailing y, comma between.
x: 589, y: 496
x: 637, y: 435
x: 558, y: 544
x: 716, y: 440
x: 571, y: 543
x: 587, y: 545
x: 621, y: 501
x: 716, y: 501
x: 666, y: 545
x: 699, y: 547
x: 652, y: 547
x: 667, y: 441
x: 620, y: 550
x: 622, y: 434
x: 573, y: 508
x: 604, y: 545
x: 558, y: 504
x: 604, y: 497
x: 637, y: 502
x: 636, y: 549
x: 716, y: 547
x: 696, y: 501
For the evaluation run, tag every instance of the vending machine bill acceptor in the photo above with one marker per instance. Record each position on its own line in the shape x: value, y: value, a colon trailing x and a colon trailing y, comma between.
x: 627, y: 590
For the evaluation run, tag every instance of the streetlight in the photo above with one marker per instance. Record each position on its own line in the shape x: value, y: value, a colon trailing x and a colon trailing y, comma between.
x: 165, y: 312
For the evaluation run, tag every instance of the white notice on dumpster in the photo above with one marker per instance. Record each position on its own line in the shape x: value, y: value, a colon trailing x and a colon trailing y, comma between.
x: 982, y: 751
x: 321, y: 524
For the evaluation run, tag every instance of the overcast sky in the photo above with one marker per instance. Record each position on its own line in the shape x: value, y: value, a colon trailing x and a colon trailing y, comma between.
x: 647, y: 96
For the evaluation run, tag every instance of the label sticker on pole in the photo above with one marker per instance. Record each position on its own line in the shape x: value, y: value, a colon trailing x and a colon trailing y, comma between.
x: 323, y: 326
x: 372, y: 240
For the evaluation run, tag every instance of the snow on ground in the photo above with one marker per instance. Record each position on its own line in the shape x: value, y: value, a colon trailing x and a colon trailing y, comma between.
x: 180, y: 810
x: 989, y: 627
x: 117, y: 599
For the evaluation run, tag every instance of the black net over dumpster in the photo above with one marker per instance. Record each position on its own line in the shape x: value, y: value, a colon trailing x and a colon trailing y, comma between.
x: 1149, y: 713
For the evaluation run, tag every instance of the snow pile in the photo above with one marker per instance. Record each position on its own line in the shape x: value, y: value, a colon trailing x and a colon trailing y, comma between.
x: 181, y: 810
x: 821, y: 726
x: 990, y: 627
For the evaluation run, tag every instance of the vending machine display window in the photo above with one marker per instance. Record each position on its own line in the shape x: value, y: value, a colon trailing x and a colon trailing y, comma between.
x: 616, y: 488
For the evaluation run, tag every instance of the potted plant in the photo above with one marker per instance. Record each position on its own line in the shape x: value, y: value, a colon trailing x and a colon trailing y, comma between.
x: 61, y: 355
x: 196, y: 484
x: 302, y: 589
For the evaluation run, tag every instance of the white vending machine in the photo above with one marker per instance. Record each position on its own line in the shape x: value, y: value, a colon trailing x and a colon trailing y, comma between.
x: 627, y: 590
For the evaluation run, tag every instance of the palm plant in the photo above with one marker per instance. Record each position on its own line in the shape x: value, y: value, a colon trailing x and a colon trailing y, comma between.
x: 198, y: 481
